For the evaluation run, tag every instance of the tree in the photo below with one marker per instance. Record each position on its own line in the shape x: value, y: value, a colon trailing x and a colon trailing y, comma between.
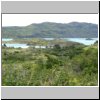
x: 4, y: 45
x: 57, y: 46
x: 96, y: 42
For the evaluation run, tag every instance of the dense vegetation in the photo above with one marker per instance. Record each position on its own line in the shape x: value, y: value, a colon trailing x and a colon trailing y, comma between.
x: 73, y: 65
x: 54, y: 30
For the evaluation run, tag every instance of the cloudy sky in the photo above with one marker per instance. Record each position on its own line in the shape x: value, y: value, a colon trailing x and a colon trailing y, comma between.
x: 27, y: 19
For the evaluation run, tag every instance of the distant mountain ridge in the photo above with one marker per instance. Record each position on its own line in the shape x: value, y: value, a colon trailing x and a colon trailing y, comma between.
x: 52, y: 30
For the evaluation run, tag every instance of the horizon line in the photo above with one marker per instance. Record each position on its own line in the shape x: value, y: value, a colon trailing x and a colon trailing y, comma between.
x: 51, y: 22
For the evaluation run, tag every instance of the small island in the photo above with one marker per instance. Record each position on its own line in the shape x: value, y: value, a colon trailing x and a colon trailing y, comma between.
x: 89, y: 39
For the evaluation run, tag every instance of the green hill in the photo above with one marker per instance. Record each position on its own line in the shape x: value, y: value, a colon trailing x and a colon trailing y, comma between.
x: 52, y: 30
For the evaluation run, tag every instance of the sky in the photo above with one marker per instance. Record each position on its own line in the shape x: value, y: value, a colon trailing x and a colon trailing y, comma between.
x: 27, y: 19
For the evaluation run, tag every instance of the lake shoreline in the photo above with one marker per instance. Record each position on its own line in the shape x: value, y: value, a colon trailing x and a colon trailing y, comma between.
x: 43, y: 42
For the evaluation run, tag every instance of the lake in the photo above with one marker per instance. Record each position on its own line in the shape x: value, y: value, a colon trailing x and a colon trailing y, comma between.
x: 83, y: 40
x: 6, y: 39
x: 79, y: 40
x: 16, y: 45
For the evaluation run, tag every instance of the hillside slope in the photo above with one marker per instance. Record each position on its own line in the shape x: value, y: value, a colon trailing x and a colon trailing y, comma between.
x: 53, y: 30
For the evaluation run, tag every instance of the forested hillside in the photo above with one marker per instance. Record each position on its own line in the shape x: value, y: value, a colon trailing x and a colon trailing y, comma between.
x: 53, y: 30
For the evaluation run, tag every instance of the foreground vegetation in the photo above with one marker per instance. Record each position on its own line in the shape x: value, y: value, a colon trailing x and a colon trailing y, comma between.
x: 74, y: 65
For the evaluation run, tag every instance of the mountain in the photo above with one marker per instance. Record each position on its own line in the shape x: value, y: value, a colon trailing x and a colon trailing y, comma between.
x: 52, y: 30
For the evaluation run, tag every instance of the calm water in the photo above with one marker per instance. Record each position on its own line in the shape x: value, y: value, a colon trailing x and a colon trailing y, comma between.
x: 16, y: 45
x: 7, y: 39
x: 83, y: 40
x: 79, y: 40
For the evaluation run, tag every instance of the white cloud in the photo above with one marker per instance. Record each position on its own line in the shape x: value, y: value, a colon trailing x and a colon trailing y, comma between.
x: 26, y: 19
